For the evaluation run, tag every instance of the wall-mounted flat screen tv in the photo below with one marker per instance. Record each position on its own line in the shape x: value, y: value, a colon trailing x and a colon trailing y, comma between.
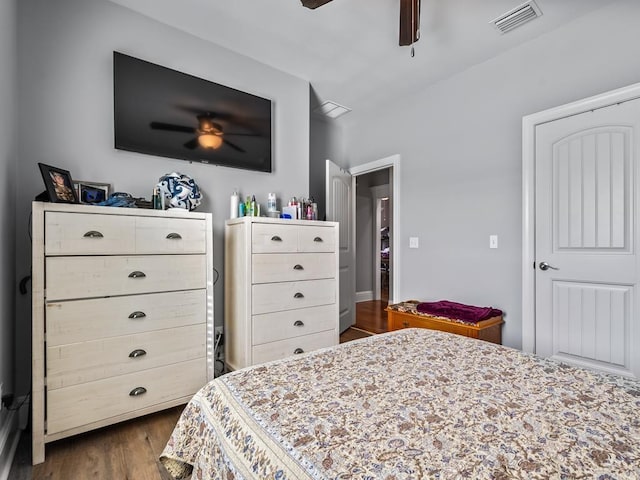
x: 163, y: 112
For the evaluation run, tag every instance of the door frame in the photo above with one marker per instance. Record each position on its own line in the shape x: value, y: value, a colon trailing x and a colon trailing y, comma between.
x: 529, y: 124
x: 393, y: 162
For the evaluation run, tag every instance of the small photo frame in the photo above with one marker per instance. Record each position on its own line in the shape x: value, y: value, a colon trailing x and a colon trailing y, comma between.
x: 92, y: 192
x: 58, y: 183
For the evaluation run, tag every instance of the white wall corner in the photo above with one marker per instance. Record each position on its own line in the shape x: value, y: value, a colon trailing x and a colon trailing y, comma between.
x: 9, y: 436
x: 364, y: 296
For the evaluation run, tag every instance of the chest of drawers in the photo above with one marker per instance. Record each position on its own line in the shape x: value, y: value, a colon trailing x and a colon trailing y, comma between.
x: 281, y: 288
x: 122, y: 315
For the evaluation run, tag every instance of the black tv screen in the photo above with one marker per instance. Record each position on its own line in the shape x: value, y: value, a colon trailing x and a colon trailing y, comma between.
x: 163, y: 112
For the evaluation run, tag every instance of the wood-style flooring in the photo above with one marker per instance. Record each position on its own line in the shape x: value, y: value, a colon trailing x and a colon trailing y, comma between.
x: 371, y: 316
x: 125, y: 451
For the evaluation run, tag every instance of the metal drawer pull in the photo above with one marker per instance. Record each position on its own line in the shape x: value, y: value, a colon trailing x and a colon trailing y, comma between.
x: 137, y: 353
x: 298, y: 267
x: 137, y: 314
x: 137, y: 274
x: 93, y: 234
x: 298, y: 295
x: 276, y: 238
x: 298, y: 351
x: 174, y: 236
x: 405, y: 324
x: 298, y: 323
x: 318, y: 239
x: 137, y: 391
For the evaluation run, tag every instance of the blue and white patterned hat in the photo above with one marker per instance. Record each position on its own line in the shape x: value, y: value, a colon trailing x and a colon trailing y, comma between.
x: 180, y: 190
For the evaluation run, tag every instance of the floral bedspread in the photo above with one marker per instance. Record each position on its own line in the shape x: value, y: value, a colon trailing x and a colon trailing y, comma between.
x: 410, y: 404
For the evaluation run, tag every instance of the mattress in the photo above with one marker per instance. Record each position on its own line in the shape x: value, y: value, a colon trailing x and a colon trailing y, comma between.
x: 410, y: 404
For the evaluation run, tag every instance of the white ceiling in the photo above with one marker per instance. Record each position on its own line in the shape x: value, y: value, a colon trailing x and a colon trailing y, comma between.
x: 348, y: 49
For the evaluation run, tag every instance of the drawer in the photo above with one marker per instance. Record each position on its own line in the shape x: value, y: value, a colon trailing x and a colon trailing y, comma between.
x: 99, y: 276
x: 83, y: 320
x: 274, y: 238
x: 170, y: 235
x: 283, y: 267
x: 88, y: 234
x: 275, y: 297
x: 78, y: 405
x: 270, y: 327
x: 286, y: 348
x: 94, y: 234
x: 88, y: 361
x: 316, y: 239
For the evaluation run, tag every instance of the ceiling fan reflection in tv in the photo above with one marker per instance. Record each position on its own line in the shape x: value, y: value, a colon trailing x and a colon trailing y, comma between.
x: 155, y: 108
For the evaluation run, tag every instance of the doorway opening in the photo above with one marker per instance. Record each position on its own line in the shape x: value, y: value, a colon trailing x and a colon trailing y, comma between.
x: 373, y: 221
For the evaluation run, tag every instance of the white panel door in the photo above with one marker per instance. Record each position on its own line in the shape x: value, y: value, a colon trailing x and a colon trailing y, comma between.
x: 339, y: 198
x: 587, y: 239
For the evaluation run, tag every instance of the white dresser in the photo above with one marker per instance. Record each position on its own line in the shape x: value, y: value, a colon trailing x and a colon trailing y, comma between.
x: 281, y: 288
x: 122, y: 315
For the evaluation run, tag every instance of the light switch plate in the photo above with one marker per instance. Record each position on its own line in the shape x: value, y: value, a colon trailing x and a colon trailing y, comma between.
x: 493, y: 241
x: 413, y: 242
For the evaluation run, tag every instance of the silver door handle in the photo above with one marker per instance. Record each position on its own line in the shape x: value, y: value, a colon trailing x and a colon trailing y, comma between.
x: 545, y: 266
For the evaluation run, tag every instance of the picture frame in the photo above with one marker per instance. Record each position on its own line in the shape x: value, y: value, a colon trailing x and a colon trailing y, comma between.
x: 90, y: 193
x: 58, y: 183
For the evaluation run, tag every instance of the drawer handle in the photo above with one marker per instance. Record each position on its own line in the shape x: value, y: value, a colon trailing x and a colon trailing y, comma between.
x: 298, y: 295
x: 137, y: 391
x: 93, y: 234
x: 137, y: 353
x: 298, y: 351
x: 137, y: 314
x: 298, y: 323
x: 276, y: 238
x: 318, y: 239
x: 174, y: 236
x: 298, y: 267
x: 405, y: 324
x: 137, y: 274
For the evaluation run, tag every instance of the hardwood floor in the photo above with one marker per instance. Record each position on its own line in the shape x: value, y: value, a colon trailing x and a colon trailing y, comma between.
x: 371, y: 317
x: 125, y: 451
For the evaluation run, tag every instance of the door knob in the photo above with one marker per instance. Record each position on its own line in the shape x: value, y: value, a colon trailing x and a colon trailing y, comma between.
x: 545, y: 266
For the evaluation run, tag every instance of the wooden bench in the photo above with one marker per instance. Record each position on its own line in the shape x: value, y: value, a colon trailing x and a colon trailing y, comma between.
x: 405, y: 315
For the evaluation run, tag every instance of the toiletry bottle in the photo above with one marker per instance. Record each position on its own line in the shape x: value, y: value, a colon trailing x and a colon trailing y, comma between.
x: 241, y: 211
x: 235, y: 201
x: 271, y: 202
x: 252, y: 207
x: 155, y: 199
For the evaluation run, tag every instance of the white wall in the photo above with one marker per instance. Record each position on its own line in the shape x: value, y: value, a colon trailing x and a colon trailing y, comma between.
x: 8, y: 62
x: 460, y: 143
x: 66, y: 106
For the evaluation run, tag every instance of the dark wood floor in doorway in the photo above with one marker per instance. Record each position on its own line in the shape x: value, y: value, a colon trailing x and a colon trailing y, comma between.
x: 371, y: 316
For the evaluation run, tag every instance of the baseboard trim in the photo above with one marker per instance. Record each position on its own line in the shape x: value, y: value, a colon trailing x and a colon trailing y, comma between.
x: 9, y: 437
x: 364, y: 296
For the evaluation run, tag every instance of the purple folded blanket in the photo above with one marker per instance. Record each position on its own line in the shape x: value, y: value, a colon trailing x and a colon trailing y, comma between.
x: 459, y: 311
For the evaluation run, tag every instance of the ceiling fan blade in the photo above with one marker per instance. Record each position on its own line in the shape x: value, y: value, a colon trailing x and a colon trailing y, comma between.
x: 314, y: 3
x: 409, y: 21
x: 171, y: 127
x: 234, y: 146
x: 191, y: 144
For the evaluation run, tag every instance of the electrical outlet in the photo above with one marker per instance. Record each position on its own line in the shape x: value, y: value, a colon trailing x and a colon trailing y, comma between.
x: 219, y: 331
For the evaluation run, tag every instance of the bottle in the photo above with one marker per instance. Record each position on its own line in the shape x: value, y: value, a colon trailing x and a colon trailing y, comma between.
x: 235, y: 202
x: 309, y: 212
x: 271, y: 202
x: 241, y: 211
x: 155, y: 199
x: 252, y: 206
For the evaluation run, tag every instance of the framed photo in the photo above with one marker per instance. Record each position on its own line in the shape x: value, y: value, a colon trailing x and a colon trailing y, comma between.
x: 59, y: 184
x: 92, y: 192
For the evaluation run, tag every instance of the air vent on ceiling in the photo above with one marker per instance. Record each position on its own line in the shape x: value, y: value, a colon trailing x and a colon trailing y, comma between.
x: 516, y: 17
x: 331, y: 109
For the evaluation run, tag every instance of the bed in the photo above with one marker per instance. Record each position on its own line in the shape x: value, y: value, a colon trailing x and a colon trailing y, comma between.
x: 410, y: 404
